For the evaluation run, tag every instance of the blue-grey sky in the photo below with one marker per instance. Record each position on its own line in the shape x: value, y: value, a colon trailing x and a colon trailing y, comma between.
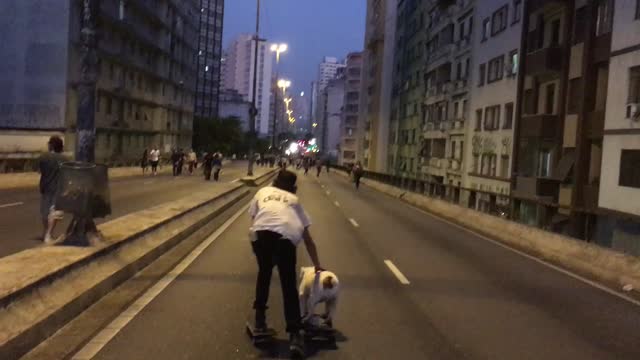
x: 312, y: 28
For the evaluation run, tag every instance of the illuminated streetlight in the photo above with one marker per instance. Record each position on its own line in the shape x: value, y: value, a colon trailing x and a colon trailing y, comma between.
x: 315, y: 125
x: 284, y: 84
x: 279, y: 49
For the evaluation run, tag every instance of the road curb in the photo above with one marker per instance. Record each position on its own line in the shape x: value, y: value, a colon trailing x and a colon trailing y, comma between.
x: 257, y: 180
x: 613, y: 269
x: 32, y: 311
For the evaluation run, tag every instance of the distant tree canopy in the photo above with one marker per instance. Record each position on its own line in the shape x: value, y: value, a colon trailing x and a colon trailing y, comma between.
x: 224, y: 135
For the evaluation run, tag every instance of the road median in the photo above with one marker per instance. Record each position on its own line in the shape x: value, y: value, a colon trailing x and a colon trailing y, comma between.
x: 42, y: 289
x: 613, y: 269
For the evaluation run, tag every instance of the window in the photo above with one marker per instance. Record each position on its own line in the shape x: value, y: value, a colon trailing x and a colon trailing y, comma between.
x: 517, y: 10
x: 499, y: 20
x: 122, y: 8
x: 508, y: 116
x: 580, y: 25
x: 604, y: 20
x: 486, y: 28
x: 630, y: 168
x: 550, y: 99
x: 496, y: 69
x: 481, y: 75
x: 109, y: 105
x: 512, y: 68
x: 98, y: 101
x: 504, y: 166
x: 634, y: 84
x: 476, y: 164
x: 492, y: 118
x: 478, y: 120
x: 493, y: 164
x: 637, y: 9
x: 555, y: 32
x: 575, y: 95
x: 544, y: 163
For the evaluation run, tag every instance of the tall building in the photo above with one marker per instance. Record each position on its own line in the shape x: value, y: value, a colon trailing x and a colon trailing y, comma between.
x: 619, y: 225
x: 327, y: 71
x: 239, y: 70
x: 560, y: 123
x: 350, y: 150
x: 209, y: 58
x: 375, y: 94
x: 408, y: 90
x: 489, y: 123
x: 233, y: 104
x: 447, y: 74
x: 332, y: 103
x: 146, y: 84
x: 301, y: 105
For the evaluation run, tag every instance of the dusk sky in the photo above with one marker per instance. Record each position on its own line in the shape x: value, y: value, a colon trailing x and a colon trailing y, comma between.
x: 312, y: 28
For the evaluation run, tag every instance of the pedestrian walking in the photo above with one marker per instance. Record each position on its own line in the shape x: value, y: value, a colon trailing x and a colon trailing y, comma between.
x: 306, y: 164
x: 144, y: 162
x: 193, y: 160
x: 327, y: 163
x: 358, y: 171
x: 207, y: 165
x: 181, y: 161
x: 175, y: 161
x: 279, y: 224
x: 217, y: 166
x: 318, y: 167
x: 49, y: 166
x: 154, y: 158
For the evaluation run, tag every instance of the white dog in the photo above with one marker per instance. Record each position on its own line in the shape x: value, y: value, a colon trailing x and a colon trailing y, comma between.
x: 316, y: 288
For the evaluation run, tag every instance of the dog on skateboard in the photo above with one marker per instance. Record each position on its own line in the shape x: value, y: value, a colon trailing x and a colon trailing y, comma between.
x: 316, y: 288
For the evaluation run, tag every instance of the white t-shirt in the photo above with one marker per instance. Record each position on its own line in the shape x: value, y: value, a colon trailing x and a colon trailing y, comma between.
x: 279, y: 211
x: 154, y: 155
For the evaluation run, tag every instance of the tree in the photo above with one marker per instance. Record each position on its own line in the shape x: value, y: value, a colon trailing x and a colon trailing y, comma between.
x: 224, y: 135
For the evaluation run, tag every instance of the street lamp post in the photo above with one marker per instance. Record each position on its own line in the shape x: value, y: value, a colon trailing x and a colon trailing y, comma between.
x: 254, y: 109
x: 284, y: 84
x: 278, y: 49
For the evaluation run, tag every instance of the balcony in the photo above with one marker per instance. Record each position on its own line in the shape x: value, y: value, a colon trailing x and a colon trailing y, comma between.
x: 463, y: 44
x: 460, y: 85
x: 595, y: 124
x: 454, y: 165
x: 534, y: 187
x: 546, y: 61
x: 441, y: 52
x: 539, y: 126
x: 536, y: 5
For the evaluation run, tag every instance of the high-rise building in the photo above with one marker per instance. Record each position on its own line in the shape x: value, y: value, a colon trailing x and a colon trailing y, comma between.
x: 447, y: 72
x: 351, y: 129
x: 408, y: 90
x: 233, y: 104
x: 146, y: 79
x: 239, y: 70
x: 332, y: 102
x: 301, y: 105
x: 209, y: 58
x: 493, y: 80
x: 327, y: 71
x: 375, y: 95
x: 562, y: 107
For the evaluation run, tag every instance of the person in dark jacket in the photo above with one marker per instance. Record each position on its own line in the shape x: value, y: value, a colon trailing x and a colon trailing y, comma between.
x: 49, y: 166
x: 207, y: 165
x: 358, y: 171
x: 217, y: 166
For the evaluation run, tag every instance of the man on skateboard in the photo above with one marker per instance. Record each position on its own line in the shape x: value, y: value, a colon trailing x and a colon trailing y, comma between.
x: 279, y: 225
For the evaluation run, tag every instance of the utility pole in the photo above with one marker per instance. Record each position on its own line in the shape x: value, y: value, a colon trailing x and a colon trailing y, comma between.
x: 254, y: 109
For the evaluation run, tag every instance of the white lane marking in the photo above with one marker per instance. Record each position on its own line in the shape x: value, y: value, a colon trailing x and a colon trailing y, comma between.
x: 148, y: 182
x: 540, y: 261
x: 354, y: 223
x: 337, y: 203
x: 98, y: 342
x: 235, y: 181
x: 403, y: 279
x: 11, y: 204
x: 328, y: 192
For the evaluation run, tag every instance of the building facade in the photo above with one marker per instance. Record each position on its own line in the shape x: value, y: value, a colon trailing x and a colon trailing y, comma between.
x: 146, y: 84
x: 408, y: 90
x: 351, y: 130
x: 239, y: 70
x: 209, y: 58
x: 328, y: 69
x: 489, y: 126
x: 332, y: 102
x: 563, y: 92
x: 620, y: 182
x: 233, y: 104
x: 447, y: 82
x: 375, y: 93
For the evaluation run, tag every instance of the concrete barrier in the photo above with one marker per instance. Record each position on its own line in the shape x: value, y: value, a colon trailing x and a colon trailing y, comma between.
x: 259, y: 179
x: 42, y: 289
x: 611, y: 268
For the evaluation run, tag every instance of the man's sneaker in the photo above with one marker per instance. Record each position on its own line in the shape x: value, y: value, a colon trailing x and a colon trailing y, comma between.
x: 296, y: 345
x: 50, y: 240
x: 261, y: 321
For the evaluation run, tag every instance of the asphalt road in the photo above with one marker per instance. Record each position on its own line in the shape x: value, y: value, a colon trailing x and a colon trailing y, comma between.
x: 20, y: 224
x: 466, y: 297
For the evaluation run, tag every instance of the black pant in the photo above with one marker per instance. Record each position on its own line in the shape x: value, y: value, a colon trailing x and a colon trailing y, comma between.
x: 357, y: 180
x: 216, y: 174
x: 272, y: 250
x: 319, y: 170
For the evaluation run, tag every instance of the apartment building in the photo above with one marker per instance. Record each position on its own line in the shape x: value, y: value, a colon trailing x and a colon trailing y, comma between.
x: 209, y: 59
x: 332, y: 103
x: 377, y: 73
x: 489, y: 130
x: 447, y: 82
x: 146, y: 78
x: 407, y: 92
x: 619, y: 195
x: 560, y: 120
x: 350, y: 150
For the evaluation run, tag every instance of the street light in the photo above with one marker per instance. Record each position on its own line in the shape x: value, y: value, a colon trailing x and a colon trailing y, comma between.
x: 284, y: 84
x: 278, y: 49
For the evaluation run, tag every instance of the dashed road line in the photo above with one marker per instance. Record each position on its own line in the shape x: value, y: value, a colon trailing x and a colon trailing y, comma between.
x: 328, y: 192
x: 403, y: 279
x: 354, y: 223
x: 337, y: 203
x: 11, y: 205
x: 95, y: 345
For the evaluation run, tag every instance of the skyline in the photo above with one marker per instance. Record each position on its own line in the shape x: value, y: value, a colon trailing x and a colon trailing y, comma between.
x: 308, y: 41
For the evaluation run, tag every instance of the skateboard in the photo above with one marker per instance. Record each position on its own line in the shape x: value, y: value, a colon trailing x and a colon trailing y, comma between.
x: 260, y: 337
x: 319, y: 333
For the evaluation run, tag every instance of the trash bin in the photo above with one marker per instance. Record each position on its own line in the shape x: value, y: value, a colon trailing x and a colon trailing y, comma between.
x: 83, y: 190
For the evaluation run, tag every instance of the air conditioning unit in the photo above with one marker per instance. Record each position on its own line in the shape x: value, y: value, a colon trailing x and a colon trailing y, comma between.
x: 633, y: 111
